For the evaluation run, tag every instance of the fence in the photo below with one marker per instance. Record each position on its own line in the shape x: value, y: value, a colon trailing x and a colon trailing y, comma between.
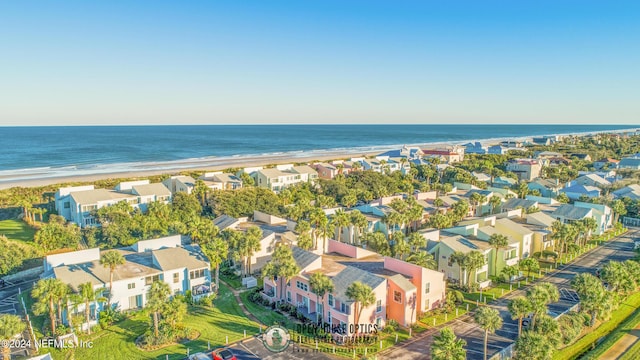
x: 29, y: 326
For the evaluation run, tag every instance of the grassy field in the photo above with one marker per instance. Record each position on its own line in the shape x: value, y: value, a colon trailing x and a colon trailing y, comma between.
x: 17, y: 230
x: 633, y: 353
x: 626, y: 309
x: 624, y: 328
x: 225, y: 319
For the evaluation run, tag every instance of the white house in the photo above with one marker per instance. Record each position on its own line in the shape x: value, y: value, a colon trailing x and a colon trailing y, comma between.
x: 283, y: 176
x: 184, y: 268
x: 76, y: 204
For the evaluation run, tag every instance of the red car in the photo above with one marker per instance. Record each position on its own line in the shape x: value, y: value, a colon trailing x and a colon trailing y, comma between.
x: 223, y: 354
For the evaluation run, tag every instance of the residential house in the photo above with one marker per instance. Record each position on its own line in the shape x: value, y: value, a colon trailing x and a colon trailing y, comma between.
x: 485, y: 206
x: 77, y: 204
x: 221, y: 181
x: 575, y: 192
x: 579, y: 156
x: 632, y: 163
x: 481, y: 176
x: 592, y: 180
x: 547, y: 187
x: 508, y: 256
x: 447, y: 156
x: 283, y: 176
x: 631, y: 191
x: 504, y: 182
x: 180, y: 183
x: 567, y: 213
x: 402, y: 290
x: 525, y: 169
x: 547, y: 154
x: 602, y: 213
x: 450, y: 244
x: 515, y: 203
x: 326, y: 170
x: 606, y: 163
x: 518, y: 232
x: 498, y: 150
x: 183, y: 267
x: 475, y: 148
x: 540, y: 223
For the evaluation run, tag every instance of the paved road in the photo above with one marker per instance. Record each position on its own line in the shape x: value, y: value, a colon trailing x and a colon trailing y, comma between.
x: 418, y: 347
x: 9, y: 303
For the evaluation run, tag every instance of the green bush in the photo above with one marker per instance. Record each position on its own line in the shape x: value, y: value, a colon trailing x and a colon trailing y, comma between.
x: 571, y: 326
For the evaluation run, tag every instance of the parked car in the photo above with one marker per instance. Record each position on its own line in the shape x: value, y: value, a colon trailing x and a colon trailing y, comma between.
x: 223, y: 354
x: 199, y: 356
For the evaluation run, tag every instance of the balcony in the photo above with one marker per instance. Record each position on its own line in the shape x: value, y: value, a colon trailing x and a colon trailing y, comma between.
x: 199, y: 291
x: 511, y: 262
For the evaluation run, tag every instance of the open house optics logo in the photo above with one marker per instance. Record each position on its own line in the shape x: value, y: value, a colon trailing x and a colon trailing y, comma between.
x: 276, y: 339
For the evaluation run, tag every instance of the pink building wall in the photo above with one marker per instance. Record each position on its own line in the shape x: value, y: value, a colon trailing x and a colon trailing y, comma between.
x: 347, y: 250
x: 423, y: 279
x: 400, y: 311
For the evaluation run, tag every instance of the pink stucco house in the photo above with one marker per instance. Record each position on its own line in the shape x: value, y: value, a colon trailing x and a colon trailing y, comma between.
x: 402, y: 290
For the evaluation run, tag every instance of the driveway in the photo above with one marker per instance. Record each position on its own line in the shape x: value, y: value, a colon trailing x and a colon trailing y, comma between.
x: 619, y: 249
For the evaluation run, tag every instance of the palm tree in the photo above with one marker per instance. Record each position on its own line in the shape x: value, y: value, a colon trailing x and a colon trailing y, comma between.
x: 540, y: 295
x: 10, y: 325
x: 424, y: 259
x: 619, y: 209
x: 446, y: 346
x: 497, y: 242
x: 530, y: 264
x: 535, y: 346
x: 88, y: 295
x: 360, y: 222
x: 475, y: 260
x: 495, y: 201
x: 362, y: 295
x: 523, y: 189
x: 438, y: 203
x: 320, y: 285
x: 217, y: 250
x: 489, y: 320
x: 460, y: 259
x: 417, y: 241
x: 400, y: 246
x: 560, y: 233
x: 509, y: 272
x: 46, y: 291
x: 475, y: 200
x: 156, y: 299
x: 340, y: 220
x: 111, y: 259
x: 594, y: 298
x: 519, y: 307
x: 327, y: 229
x: 251, y: 244
x: 285, y: 266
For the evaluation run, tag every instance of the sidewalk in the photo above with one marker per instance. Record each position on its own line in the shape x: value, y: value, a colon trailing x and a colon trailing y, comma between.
x: 236, y: 294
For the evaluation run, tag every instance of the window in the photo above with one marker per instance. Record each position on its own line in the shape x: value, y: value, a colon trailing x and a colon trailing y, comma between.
x: 196, y: 274
x: 379, y: 321
x: 302, y: 286
x: 344, y: 308
x: 426, y: 304
x: 427, y: 288
x: 397, y: 296
x: 131, y: 286
x: 151, y: 279
x: 330, y: 300
x: 67, y: 205
x: 176, y: 278
x: 379, y: 306
x: 289, y: 296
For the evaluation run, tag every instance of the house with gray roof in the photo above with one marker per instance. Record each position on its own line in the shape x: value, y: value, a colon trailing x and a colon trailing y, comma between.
x: 515, y: 203
x: 77, y: 204
x: 575, y: 192
x: 184, y: 268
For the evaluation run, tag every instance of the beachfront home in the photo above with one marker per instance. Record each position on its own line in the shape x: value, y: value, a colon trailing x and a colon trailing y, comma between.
x: 575, y: 192
x: 525, y: 169
x: 402, y: 290
x: 77, y: 204
x: 221, y: 181
x: 475, y: 148
x: 445, y: 155
x: 183, y: 267
x: 326, y: 170
x: 180, y: 183
x: 283, y: 176
x: 450, y: 244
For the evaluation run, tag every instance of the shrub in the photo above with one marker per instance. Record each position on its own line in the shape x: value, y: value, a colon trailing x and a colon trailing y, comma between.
x: 571, y: 326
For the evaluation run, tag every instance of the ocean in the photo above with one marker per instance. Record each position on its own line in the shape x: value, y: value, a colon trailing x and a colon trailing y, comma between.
x: 41, y: 152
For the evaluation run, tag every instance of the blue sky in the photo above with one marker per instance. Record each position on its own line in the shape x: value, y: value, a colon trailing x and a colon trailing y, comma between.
x: 307, y: 61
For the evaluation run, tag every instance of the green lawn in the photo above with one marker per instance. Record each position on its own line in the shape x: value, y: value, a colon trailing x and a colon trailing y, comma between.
x: 233, y: 280
x: 266, y: 315
x: 624, y: 328
x: 17, y: 230
x: 633, y: 353
x: 214, y: 325
x: 625, y: 310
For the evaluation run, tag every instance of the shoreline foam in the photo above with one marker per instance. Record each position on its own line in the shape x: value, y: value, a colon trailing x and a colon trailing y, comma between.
x: 40, y: 176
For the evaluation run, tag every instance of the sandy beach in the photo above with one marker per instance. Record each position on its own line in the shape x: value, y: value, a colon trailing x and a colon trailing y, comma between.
x: 43, y: 177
